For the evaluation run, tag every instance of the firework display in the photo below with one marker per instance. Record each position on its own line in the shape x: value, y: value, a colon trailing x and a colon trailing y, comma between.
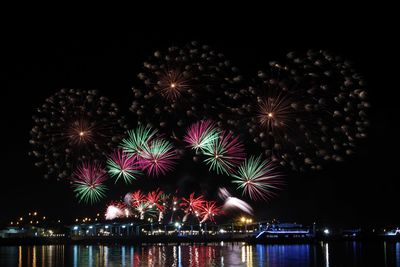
x: 201, y: 134
x: 157, y: 157
x: 209, y: 210
x: 233, y: 203
x: 122, y: 165
x: 257, y: 178
x: 114, y: 211
x: 300, y: 113
x: 224, y: 154
x: 158, y: 206
x: 307, y: 110
x: 71, y: 126
x: 184, y: 84
x: 88, y: 181
x: 137, y: 139
x: 192, y: 205
x: 157, y: 199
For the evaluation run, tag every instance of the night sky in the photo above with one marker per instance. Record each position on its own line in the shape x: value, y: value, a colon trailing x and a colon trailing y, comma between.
x: 363, y: 190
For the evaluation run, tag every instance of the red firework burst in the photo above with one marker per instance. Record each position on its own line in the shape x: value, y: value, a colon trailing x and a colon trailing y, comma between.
x: 156, y: 198
x: 192, y: 205
x: 209, y: 211
x: 137, y: 198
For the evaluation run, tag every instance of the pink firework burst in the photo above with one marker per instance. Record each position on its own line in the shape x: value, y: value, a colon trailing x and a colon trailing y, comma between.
x: 201, y: 133
x: 123, y: 165
x: 158, y: 157
x: 209, y: 210
x: 90, y: 173
x: 88, y: 182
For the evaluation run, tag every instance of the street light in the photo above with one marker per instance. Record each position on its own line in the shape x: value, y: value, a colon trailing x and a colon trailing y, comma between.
x: 246, y: 221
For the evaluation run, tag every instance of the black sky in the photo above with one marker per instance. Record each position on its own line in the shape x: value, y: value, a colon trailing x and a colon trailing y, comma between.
x: 38, y: 62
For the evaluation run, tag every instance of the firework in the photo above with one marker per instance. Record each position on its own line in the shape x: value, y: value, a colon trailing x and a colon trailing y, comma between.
x: 275, y: 113
x: 231, y: 203
x: 74, y: 125
x: 209, y: 211
x: 137, y: 139
x: 257, y: 178
x: 122, y: 165
x: 133, y: 199
x: 143, y: 209
x: 175, y: 204
x: 114, y: 211
x: 88, y: 182
x: 192, y: 205
x: 201, y: 134
x: 158, y: 157
x: 172, y: 83
x: 310, y: 109
x: 157, y: 200
x: 184, y: 84
x: 224, y: 154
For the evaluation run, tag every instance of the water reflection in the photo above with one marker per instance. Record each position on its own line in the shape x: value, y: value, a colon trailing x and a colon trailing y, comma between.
x: 216, y: 254
x: 326, y: 253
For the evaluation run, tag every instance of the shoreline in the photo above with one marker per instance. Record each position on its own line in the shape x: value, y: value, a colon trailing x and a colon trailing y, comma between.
x: 17, y: 241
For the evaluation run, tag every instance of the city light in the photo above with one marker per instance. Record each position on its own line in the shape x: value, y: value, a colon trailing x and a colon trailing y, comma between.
x: 326, y: 231
x: 178, y: 225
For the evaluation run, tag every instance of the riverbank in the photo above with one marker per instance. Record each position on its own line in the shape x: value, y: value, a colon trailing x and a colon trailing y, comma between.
x: 95, y: 240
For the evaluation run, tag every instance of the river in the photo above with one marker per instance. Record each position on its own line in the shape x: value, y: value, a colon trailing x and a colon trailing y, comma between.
x: 216, y: 254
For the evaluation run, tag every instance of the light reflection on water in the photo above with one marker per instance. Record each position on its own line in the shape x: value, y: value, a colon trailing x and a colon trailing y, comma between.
x: 215, y: 254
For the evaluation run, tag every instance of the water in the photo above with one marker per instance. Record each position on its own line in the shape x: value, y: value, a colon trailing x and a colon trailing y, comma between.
x: 216, y: 254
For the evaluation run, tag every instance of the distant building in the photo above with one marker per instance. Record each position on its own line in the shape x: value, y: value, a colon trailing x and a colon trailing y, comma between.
x: 29, y: 231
